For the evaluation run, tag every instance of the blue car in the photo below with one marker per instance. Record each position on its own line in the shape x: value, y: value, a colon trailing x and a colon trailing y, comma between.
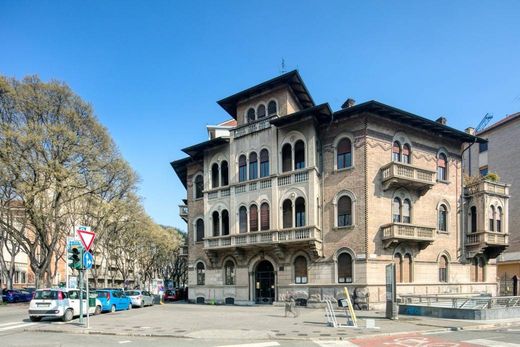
x: 113, y: 300
x: 11, y: 295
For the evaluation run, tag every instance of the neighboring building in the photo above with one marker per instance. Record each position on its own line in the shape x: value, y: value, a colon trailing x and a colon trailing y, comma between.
x: 501, y: 155
x: 302, y: 200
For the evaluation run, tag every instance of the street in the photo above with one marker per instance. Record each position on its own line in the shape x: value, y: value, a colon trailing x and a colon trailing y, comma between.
x: 189, y: 325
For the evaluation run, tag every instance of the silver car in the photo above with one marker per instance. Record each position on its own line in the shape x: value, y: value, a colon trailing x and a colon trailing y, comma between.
x: 140, y: 298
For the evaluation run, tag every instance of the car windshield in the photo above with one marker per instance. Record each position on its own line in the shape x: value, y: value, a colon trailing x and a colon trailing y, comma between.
x: 46, y: 294
x: 132, y: 293
x: 170, y: 292
x: 102, y: 294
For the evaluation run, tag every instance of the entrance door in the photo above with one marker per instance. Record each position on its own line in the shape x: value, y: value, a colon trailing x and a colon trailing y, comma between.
x: 264, y: 283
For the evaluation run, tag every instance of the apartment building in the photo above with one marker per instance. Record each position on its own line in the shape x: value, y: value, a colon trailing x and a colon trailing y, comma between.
x: 501, y: 155
x: 296, y: 199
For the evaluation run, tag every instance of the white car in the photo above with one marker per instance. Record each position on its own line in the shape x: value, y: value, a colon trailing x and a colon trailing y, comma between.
x: 140, y: 298
x: 58, y: 303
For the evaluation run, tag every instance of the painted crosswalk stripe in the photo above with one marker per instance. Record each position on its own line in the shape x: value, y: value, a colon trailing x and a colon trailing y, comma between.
x: 334, y: 343
x: 17, y: 326
x: 10, y: 323
x: 491, y: 343
x: 124, y: 341
x: 261, y: 344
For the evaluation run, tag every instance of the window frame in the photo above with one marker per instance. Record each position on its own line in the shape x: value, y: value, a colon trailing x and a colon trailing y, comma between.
x: 442, y: 172
x: 303, y: 277
x: 201, y: 273
x: 197, y: 185
x: 345, y: 279
x: 229, y: 276
x: 344, y: 155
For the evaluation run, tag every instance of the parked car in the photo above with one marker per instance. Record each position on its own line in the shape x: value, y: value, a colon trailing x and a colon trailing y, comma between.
x: 113, y: 300
x: 14, y: 295
x: 59, y: 303
x: 140, y: 298
x: 171, y: 295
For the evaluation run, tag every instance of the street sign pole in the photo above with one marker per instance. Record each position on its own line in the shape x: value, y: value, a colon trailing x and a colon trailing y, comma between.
x: 88, y: 299
x: 81, y: 296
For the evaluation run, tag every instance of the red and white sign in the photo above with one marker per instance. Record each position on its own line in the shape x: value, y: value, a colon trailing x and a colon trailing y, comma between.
x: 86, y: 237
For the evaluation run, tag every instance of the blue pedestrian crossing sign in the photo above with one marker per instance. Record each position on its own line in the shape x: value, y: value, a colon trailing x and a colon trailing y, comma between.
x: 88, y: 260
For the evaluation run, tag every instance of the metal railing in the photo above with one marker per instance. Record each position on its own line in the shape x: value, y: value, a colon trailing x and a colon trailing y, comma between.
x: 464, y: 302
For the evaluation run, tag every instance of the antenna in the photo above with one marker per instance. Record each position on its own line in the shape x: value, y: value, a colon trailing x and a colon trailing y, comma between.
x: 485, y: 121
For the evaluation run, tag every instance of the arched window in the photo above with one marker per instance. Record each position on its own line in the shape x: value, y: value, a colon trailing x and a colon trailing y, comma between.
x: 264, y: 216
x: 286, y: 158
x: 225, y: 222
x: 344, y: 154
x: 201, y: 274
x: 253, y: 166
x: 443, y: 269
x: 443, y: 218
x: 396, y: 151
x: 344, y: 211
x: 251, y: 115
x: 216, y: 223
x: 287, y: 213
x: 442, y: 162
x: 300, y: 270
x: 407, y: 211
x: 253, y: 218
x: 199, y: 186
x: 229, y: 270
x: 199, y: 226
x: 242, y: 168
x: 224, y: 173
x: 407, y: 268
x: 260, y: 111
x: 299, y: 155
x: 345, y: 268
x: 271, y: 108
x: 214, y: 175
x: 406, y: 153
x: 473, y: 215
x: 491, y: 213
x: 499, y: 219
x: 264, y: 163
x: 398, y: 261
x: 300, y: 212
x: 242, y: 220
x: 396, y: 210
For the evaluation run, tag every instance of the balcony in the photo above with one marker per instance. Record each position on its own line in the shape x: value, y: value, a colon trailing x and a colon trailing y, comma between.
x: 487, y: 187
x: 486, y: 242
x: 402, y: 232
x: 268, y: 240
x: 184, y: 212
x: 398, y: 174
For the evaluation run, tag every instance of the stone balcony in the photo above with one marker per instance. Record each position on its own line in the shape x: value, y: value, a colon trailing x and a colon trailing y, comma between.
x: 396, y: 174
x: 184, y: 212
x: 486, y: 242
x: 261, y: 124
x: 487, y: 187
x: 393, y: 233
x: 267, y: 240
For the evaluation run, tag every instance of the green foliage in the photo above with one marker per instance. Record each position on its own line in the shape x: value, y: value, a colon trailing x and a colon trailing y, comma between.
x: 492, y: 176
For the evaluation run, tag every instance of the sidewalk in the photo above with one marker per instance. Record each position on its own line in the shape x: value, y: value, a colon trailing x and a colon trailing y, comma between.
x: 252, y: 322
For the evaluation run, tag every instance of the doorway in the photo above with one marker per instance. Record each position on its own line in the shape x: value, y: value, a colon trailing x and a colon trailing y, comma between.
x: 264, y: 283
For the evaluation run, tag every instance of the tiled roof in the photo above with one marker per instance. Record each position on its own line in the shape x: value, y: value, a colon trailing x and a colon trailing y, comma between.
x: 228, y: 123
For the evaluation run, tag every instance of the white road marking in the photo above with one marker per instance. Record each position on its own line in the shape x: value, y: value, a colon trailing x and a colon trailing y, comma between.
x: 334, y: 343
x: 261, y: 344
x: 17, y: 326
x: 491, y: 343
x: 437, y: 332
x: 10, y: 323
x: 124, y: 341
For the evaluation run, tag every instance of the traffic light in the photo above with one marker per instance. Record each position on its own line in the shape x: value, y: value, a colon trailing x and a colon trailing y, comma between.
x: 76, y: 258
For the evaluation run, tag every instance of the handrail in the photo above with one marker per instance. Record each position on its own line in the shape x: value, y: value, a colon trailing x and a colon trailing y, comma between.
x: 461, y: 302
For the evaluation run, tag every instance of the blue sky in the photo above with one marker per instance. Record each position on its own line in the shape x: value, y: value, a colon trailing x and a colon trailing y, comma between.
x: 153, y: 70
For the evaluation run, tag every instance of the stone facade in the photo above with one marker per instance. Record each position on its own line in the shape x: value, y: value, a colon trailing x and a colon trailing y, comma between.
x: 363, y: 208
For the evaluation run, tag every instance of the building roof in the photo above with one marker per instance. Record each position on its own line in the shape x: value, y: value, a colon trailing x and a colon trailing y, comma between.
x: 322, y: 113
x: 228, y: 123
x: 195, y: 151
x: 181, y: 169
x: 500, y: 123
x: 292, y: 79
x: 408, y: 118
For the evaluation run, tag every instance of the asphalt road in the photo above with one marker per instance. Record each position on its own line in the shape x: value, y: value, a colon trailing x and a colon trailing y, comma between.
x: 14, y: 322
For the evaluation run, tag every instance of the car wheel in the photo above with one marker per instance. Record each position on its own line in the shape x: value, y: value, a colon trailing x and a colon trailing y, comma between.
x: 113, y: 308
x: 35, y: 319
x: 68, y: 315
x: 98, y: 310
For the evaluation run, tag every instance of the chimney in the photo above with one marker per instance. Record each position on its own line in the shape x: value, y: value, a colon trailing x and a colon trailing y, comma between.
x: 349, y: 103
x: 442, y: 120
x: 470, y: 131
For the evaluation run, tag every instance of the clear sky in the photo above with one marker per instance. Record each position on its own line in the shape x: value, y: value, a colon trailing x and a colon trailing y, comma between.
x: 153, y: 70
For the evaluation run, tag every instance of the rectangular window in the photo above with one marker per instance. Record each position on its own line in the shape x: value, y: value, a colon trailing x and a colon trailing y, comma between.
x: 242, y: 173
x: 482, y: 147
x: 443, y: 275
x: 300, y: 219
x: 483, y: 171
x: 253, y: 170
x: 264, y: 169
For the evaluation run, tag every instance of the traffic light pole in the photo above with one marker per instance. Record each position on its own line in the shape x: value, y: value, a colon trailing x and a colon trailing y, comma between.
x: 80, y: 296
